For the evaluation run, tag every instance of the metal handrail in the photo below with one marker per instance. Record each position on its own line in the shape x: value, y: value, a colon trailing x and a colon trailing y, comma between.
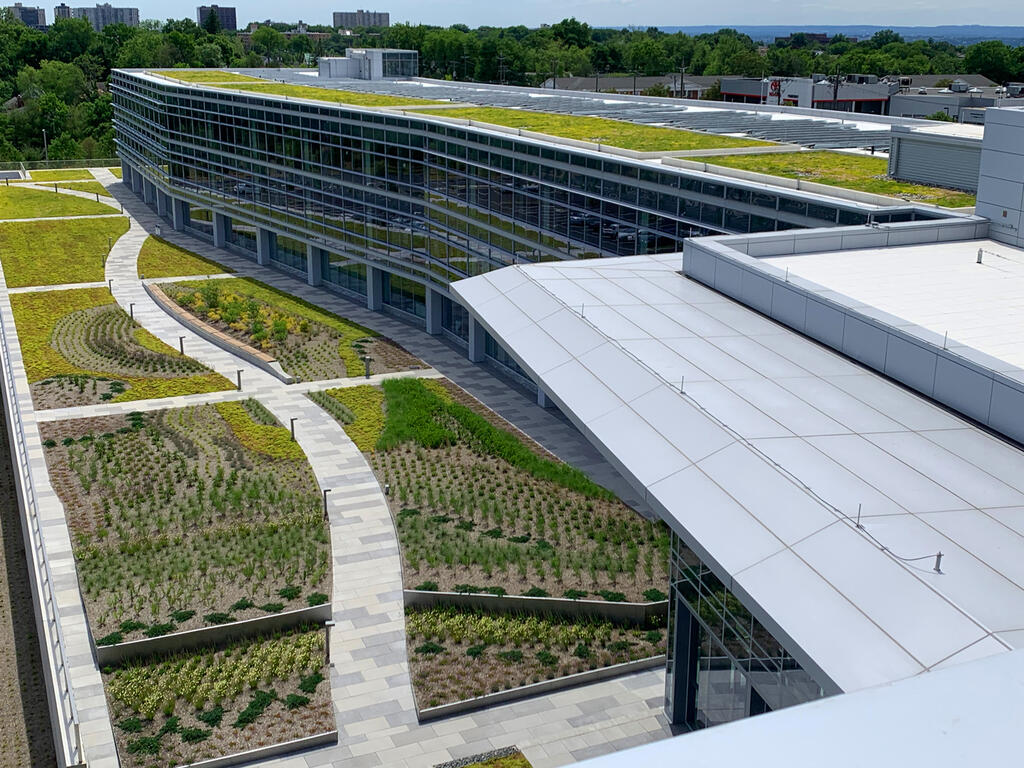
x: 70, y: 734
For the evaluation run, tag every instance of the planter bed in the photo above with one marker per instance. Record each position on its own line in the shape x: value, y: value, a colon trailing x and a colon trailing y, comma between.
x: 195, y: 706
x: 80, y: 348
x: 455, y: 655
x: 188, y: 518
x: 479, y: 509
x: 309, y: 343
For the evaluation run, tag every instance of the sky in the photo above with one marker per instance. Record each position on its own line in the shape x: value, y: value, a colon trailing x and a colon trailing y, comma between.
x: 617, y: 13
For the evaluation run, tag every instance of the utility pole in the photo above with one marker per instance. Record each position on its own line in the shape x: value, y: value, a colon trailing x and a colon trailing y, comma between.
x: 501, y: 68
x: 682, y: 82
x: 634, y: 82
x: 835, y: 90
x: 465, y: 66
x: 597, y: 81
x: 554, y: 74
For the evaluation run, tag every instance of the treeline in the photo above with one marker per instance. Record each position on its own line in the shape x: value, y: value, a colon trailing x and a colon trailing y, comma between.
x: 55, y: 81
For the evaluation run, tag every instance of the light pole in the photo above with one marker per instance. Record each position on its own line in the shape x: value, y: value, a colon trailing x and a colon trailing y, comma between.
x: 682, y: 82
x: 764, y: 88
x: 46, y: 148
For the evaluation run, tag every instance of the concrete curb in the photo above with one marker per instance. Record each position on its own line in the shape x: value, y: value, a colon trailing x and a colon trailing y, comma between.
x: 621, y: 613
x: 264, y: 753
x: 208, y: 636
x: 547, y: 686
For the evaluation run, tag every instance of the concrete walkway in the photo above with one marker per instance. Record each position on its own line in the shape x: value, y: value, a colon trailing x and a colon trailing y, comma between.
x: 370, y: 681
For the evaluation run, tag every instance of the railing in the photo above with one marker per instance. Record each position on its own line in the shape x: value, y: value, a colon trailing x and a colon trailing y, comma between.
x: 55, y: 659
x: 39, y: 165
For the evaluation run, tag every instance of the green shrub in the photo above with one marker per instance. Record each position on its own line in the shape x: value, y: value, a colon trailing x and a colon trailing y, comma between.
x: 50, y: 443
x: 294, y: 701
x: 653, y: 637
x: 476, y: 651
x: 242, y: 605
x: 427, y: 586
x: 130, y: 725
x: 547, y: 658
x: 289, y: 593
x: 582, y: 651
x: 194, y: 735
x: 182, y: 616
x: 309, y: 683
x: 158, y: 630
x: 511, y: 657
x: 113, y: 638
x: 612, y: 597
x: 407, y: 513
x: 467, y: 589
x: 211, y: 717
x: 522, y: 539
x: 256, y: 707
x: 499, y: 591
x: 272, y: 607
x: 147, y: 745
x: 173, y: 725
x: 429, y: 648
x: 218, y: 618
x: 536, y: 592
x: 317, y: 598
x: 619, y: 646
x: 127, y: 627
x: 494, y: 533
x: 654, y: 596
x: 574, y: 594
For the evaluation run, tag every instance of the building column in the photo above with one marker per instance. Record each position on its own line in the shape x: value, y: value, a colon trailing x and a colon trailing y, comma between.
x: 681, y: 683
x: 148, y: 192
x: 374, y: 288
x: 477, y: 341
x: 178, y: 214
x: 314, y: 265
x: 126, y: 174
x: 161, y: 203
x: 542, y: 398
x: 220, y: 229
x: 433, y: 299
x: 263, y: 246
x: 137, y: 183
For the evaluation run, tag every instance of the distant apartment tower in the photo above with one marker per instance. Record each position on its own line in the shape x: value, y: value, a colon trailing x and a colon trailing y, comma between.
x: 104, y: 15
x: 226, y: 16
x: 361, y: 18
x: 62, y: 11
x: 33, y: 17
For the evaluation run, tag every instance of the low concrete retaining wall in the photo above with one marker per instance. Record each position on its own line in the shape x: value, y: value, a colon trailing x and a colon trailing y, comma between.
x: 546, y: 686
x: 211, y: 636
x: 212, y: 335
x: 265, y: 753
x: 620, y: 613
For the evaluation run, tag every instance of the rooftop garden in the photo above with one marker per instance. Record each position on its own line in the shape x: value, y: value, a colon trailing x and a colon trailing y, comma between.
x: 864, y: 173
x: 353, y: 98
x: 92, y: 187
x: 188, y: 518
x: 63, y: 174
x: 59, y: 252
x: 599, y: 130
x: 79, y: 348
x: 198, y: 705
x: 22, y: 203
x: 481, y: 508
x: 309, y: 343
x: 161, y: 258
x: 207, y: 76
x: 462, y: 654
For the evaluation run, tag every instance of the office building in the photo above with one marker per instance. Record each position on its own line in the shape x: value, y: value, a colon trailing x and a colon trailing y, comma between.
x: 225, y: 15
x: 361, y: 18
x: 841, y: 480
x: 854, y: 93
x: 33, y: 17
x: 104, y: 15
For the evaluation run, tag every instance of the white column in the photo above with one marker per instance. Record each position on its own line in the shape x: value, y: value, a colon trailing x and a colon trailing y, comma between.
x: 374, y: 288
x: 477, y: 346
x: 220, y: 230
x: 314, y: 263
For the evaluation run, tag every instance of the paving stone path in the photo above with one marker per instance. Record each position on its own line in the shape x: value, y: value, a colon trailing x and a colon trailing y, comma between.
x: 370, y: 681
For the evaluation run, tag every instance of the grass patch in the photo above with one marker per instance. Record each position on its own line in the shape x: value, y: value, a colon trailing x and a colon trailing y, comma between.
x: 63, y: 174
x: 600, y: 130
x: 365, y: 403
x: 207, y: 76
x: 116, y: 171
x: 329, y: 95
x: 92, y: 187
x: 863, y: 173
x: 271, y: 440
x: 38, y: 316
x: 58, y: 252
x: 160, y: 258
x: 21, y: 203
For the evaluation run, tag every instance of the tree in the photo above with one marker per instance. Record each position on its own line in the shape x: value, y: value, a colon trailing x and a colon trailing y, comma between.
x: 941, y: 117
x: 572, y: 32
x: 212, y: 23
x: 268, y: 41
x: 993, y: 59
x: 713, y: 92
x: 65, y: 81
x: 64, y: 148
x: 69, y: 38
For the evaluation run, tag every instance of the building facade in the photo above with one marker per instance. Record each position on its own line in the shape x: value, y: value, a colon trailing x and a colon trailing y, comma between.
x: 361, y: 18
x: 226, y: 15
x: 32, y: 17
x: 854, y: 93
x: 104, y: 15
x: 62, y: 11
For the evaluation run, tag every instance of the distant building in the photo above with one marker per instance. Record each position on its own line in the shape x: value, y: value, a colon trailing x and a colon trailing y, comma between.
x: 818, y: 37
x: 104, y: 15
x: 855, y: 93
x: 371, y: 64
x: 226, y: 16
x: 62, y: 11
x: 300, y: 30
x: 689, y: 86
x: 361, y: 18
x: 33, y: 17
